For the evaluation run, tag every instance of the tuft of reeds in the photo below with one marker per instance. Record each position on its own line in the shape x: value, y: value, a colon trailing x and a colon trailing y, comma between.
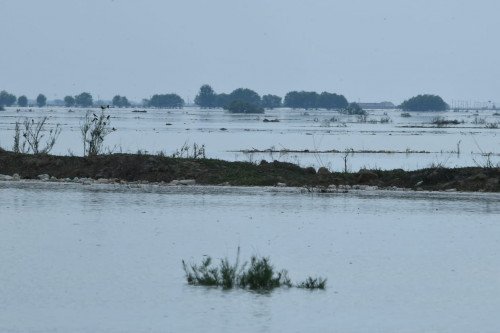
x: 202, y: 275
x: 310, y: 283
x: 260, y: 275
x: 207, y: 275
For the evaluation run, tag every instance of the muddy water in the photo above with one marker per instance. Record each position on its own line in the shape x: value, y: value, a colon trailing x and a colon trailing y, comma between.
x: 108, y: 259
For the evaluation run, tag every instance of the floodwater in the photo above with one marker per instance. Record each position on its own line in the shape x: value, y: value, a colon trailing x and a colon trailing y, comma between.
x: 107, y: 258
x: 303, y: 137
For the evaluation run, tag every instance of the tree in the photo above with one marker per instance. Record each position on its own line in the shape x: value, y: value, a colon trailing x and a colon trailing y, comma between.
x: 22, y: 101
x: 206, y: 97
x: 120, y: 101
x: 238, y: 106
x: 271, y: 101
x: 166, y: 101
x: 69, y: 101
x: 84, y: 100
x: 222, y: 100
x: 331, y: 101
x: 245, y: 95
x: 41, y: 100
x: 302, y: 100
x: 424, y: 103
x: 7, y: 99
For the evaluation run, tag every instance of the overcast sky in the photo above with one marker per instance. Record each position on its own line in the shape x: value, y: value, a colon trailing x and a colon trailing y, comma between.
x: 365, y: 49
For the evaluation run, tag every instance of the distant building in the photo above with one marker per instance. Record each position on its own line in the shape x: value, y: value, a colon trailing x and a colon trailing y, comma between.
x: 380, y: 105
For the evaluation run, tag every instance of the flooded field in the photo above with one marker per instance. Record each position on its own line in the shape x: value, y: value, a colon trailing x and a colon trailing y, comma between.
x: 104, y: 258
x: 382, y: 140
x: 107, y: 258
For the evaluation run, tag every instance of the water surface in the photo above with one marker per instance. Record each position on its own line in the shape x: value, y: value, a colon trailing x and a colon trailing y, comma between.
x: 106, y: 258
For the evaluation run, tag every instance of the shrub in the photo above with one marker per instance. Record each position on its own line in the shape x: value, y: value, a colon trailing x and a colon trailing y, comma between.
x: 94, y: 130
x: 33, y: 132
x: 354, y: 109
x: 385, y: 120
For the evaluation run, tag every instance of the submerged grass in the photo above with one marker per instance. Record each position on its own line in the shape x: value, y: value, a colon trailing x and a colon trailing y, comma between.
x: 310, y: 283
x: 260, y: 275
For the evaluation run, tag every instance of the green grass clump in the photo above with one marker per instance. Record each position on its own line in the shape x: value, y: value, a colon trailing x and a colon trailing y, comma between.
x: 207, y: 275
x: 260, y: 275
x: 310, y: 283
x: 202, y: 275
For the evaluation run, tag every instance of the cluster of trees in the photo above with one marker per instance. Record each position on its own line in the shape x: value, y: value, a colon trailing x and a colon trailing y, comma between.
x: 7, y: 99
x: 120, y: 102
x: 84, y: 100
x: 313, y: 100
x: 173, y: 101
x: 424, y: 103
x: 207, y: 98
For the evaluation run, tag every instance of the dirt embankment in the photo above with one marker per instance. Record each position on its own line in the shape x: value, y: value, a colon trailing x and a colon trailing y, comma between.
x: 154, y: 168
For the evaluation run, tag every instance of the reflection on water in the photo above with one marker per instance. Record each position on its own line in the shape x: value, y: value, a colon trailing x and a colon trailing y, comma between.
x: 106, y: 258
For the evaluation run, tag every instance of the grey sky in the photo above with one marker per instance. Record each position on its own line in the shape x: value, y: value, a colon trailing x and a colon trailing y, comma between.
x: 367, y: 50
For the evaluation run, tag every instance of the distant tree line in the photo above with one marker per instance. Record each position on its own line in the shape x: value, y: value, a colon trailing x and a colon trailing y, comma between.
x: 207, y: 98
x: 7, y: 99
